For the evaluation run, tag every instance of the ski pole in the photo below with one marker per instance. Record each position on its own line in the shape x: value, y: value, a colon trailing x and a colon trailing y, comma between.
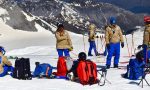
x: 127, y: 45
x: 132, y: 46
x: 97, y: 41
x: 74, y: 53
x: 84, y: 44
x: 101, y: 43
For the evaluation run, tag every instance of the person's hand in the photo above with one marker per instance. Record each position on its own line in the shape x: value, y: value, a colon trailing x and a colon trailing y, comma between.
x: 108, y: 46
x: 122, y: 44
x: 71, y: 48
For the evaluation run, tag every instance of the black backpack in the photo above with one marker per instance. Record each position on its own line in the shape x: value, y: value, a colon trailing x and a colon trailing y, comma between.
x: 22, y: 69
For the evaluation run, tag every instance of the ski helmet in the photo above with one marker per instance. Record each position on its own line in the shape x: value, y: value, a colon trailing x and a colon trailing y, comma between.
x: 147, y: 19
x: 112, y: 20
x: 82, y: 56
x: 2, y: 50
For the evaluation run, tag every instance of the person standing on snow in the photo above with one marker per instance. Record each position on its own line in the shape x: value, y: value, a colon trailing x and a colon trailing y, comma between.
x: 5, y: 65
x: 63, y: 41
x: 91, y: 40
x: 146, y: 39
x: 113, y: 37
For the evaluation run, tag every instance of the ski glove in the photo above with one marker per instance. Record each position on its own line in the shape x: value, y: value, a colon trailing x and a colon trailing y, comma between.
x: 108, y: 46
x: 71, y: 49
x: 122, y: 44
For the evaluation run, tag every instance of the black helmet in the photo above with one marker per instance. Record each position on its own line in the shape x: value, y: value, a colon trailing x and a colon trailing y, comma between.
x: 112, y: 20
x: 37, y: 63
x: 82, y: 56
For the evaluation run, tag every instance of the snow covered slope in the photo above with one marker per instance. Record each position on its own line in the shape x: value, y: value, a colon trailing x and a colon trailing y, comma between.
x: 48, y: 54
x: 11, y: 38
x: 40, y: 46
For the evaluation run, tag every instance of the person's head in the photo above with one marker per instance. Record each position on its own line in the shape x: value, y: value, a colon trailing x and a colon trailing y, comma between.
x: 60, y: 27
x: 82, y: 56
x: 2, y: 50
x: 147, y: 20
x: 92, y: 21
x: 112, y: 20
x: 92, y: 27
x: 37, y: 63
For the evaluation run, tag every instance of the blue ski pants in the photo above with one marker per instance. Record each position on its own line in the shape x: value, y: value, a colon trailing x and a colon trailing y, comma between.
x: 61, y: 51
x: 114, y: 50
x: 6, y: 70
x: 92, y: 46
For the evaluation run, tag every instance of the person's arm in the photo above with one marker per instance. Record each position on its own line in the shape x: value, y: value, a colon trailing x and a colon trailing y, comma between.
x: 69, y: 40
x: 60, y: 38
x: 146, y: 38
x: 106, y: 36
x: 5, y: 61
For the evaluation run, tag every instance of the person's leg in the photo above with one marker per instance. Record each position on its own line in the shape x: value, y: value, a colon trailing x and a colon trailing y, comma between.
x: 90, y: 48
x: 60, y: 52
x: 105, y: 52
x: 4, y: 72
x: 109, y: 56
x: 94, y: 47
x: 117, y: 55
x: 66, y: 52
x: 10, y: 69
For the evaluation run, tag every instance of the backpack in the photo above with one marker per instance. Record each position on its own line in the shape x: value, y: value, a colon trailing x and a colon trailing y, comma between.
x: 87, y: 72
x: 61, y: 67
x: 43, y: 70
x: 134, y: 69
x: 22, y: 69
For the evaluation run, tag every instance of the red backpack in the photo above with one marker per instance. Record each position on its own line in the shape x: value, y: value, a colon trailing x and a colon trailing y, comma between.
x: 87, y: 72
x: 61, y: 67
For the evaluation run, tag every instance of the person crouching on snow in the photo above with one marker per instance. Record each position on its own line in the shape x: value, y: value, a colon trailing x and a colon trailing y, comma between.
x: 5, y: 65
x: 63, y: 41
x: 113, y: 37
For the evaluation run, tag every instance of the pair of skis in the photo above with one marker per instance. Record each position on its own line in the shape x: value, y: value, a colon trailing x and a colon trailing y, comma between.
x: 132, y: 50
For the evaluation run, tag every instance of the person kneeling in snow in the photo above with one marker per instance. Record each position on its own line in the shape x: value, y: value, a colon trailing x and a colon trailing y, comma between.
x: 5, y: 65
x: 135, y: 69
x: 84, y: 71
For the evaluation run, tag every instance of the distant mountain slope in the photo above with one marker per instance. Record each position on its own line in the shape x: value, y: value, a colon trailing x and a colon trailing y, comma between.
x: 77, y: 15
x: 15, y: 17
x: 136, y: 6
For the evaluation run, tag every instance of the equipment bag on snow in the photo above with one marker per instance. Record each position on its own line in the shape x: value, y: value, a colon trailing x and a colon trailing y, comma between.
x: 22, y: 69
x: 87, y: 72
x: 43, y: 70
x: 61, y: 67
x: 134, y: 69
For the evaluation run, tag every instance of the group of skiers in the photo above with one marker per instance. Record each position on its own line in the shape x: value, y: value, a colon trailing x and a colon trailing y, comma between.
x: 113, y: 38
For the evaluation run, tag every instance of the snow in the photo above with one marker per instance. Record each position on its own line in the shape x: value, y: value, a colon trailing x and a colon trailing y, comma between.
x: 3, y: 15
x: 28, y: 17
x: 40, y: 46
